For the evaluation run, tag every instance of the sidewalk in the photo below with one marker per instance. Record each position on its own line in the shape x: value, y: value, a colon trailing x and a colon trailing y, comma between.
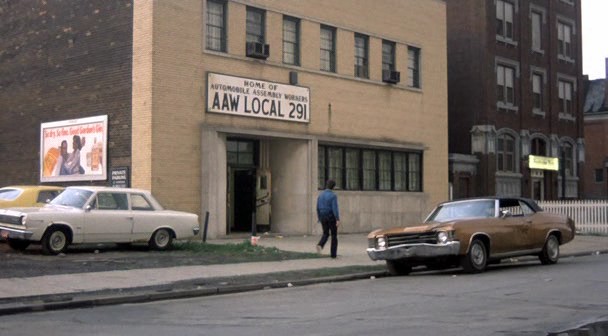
x: 88, y: 289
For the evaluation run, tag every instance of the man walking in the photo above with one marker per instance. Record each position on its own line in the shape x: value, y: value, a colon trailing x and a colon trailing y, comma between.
x: 329, y: 216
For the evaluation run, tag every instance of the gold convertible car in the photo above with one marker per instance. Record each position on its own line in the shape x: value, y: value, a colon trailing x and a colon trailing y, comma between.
x: 473, y: 233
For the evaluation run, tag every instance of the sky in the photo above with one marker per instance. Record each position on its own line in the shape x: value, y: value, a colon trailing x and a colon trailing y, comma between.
x: 595, y: 37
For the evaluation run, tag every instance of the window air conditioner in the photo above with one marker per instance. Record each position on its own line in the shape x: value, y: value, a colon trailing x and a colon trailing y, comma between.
x: 258, y: 50
x: 389, y: 76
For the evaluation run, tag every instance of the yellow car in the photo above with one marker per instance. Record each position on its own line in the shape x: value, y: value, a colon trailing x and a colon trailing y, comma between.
x: 27, y: 195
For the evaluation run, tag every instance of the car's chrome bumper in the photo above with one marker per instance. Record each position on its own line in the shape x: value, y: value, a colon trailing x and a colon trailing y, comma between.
x: 12, y: 233
x: 406, y: 251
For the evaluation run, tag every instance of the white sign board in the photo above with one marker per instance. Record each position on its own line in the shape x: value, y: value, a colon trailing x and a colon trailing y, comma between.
x: 254, y: 98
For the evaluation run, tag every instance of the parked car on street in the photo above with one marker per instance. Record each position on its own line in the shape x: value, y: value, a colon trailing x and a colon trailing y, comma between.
x: 96, y: 215
x: 27, y: 195
x: 473, y: 233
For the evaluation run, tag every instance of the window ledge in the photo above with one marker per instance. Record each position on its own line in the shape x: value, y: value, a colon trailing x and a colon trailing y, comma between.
x: 538, y: 51
x: 539, y: 113
x: 506, y: 40
x: 507, y: 107
x: 566, y: 59
x: 567, y: 117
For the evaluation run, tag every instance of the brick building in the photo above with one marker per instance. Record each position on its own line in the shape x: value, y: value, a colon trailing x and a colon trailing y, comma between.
x: 515, y: 98
x: 596, y: 136
x: 241, y: 108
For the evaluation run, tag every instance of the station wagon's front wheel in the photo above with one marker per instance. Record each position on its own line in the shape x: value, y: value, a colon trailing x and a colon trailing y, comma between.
x: 477, y: 259
x: 54, y: 241
x: 550, y: 252
x: 161, y: 240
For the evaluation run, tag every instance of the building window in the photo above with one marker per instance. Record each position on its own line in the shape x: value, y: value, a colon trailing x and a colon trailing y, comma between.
x: 505, y: 80
x: 291, y: 40
x: 328, y: 49
x: 505, y: 153
x: 504, y: 20
x: 564, y: 40
x: 352, y: 169
x: 599, y: 175
x: 565, y: 98
x: 216, y: 25
x: 361, y: 56
x: 537, y: 91
x: 388, y: 56
x: 240, y: 152
x: 413, y: 67
x: 255, y: 25
x: 538, y: 147
x: 568, y: 159
x: 537, y: 24
x: 369, y: 169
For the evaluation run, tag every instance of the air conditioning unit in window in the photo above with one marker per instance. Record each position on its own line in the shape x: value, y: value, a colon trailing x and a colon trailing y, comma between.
x: 389, y: 76
x: 258, y: 50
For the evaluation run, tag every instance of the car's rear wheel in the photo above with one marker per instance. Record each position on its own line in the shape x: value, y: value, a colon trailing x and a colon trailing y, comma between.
x: 18, y: 244
x: 54, y: 241
x: 397, y: 267
x: 476, y: 260
x: 161, y: 240
x: 550, y: 252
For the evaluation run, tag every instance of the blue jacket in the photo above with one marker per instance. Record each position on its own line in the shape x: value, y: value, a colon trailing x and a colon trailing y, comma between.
x: 327, y: 203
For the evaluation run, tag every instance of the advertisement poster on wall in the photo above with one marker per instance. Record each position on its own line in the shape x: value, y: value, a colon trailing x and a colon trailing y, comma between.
x: 74, y: 150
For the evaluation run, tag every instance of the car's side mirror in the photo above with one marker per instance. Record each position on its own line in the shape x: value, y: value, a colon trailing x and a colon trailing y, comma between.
x: 87, y: 208
x: 505, y: 213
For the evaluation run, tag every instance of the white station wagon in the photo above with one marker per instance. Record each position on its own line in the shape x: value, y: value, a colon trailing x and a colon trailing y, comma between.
x: 96, y: 215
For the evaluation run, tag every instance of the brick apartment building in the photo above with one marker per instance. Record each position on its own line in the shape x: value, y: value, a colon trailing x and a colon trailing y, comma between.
x: 238, y: 108
x: 515, y: 98
x: 596, y: 136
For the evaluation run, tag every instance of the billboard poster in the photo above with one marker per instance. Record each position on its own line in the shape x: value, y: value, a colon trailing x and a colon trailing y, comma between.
x: 74, y: 150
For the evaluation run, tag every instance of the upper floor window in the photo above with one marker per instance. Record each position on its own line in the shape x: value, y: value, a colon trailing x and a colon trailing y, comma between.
x: 538, y: 147
x: 565, y: 98
x: 328, y: 49
x: 291, y: 40
x: 537, y: 91
x: 504, y: 19
x: 536, y: 25
x: 255, y: 25
x: 505, y: 153
x: 505, y: 80
x: 413, y: 67
x: 564, y: 40
x: 388, y: 56
x: 568, y: 153
x: 216, y: 25
x: 361, y: 56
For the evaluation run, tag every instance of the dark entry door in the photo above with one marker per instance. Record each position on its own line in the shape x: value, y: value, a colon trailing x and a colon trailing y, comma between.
x: 244, y: 199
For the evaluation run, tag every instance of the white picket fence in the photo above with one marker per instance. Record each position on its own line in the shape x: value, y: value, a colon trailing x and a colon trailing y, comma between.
x: 590, y: 216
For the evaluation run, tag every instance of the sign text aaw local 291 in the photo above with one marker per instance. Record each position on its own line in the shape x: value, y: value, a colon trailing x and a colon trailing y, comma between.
x: 255, y: 98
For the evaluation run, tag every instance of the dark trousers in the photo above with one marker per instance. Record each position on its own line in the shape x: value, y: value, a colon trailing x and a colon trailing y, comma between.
x: 329, y: 226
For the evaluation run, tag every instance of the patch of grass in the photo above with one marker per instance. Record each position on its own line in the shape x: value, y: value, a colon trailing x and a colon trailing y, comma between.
x: 238, y: 252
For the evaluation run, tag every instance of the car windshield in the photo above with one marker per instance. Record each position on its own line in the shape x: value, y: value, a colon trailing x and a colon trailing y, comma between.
x: 72, y: 197
x: 468, y: 209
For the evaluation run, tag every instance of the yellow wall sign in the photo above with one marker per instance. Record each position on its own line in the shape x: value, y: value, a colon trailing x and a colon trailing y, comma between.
x: 543, y: 162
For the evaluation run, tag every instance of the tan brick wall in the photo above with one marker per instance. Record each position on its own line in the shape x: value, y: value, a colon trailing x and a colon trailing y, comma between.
x: 367, y: 110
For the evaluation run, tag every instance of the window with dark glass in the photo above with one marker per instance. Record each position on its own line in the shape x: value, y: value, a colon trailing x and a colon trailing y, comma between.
x: 565, y: 97
x: 240, y: 152
x: 361, y: 56
x: 413, y: 67
x: 505, y: 81
x: 538, y: 147
x: 564, y: 40
x: 255, y: 25
x: 388, y: 56
x: 568, y: 159
x: 504, y: 19
x: 328, y: 49
x: 369, y: 169
x: 599, y: 175
x: 537, y: 91
x: 291, y: 40
x: 216, y: 25
x: 505, y: 153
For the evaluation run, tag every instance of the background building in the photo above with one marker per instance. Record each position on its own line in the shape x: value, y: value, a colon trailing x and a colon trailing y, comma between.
x: 596, y: 136
x: 515, y: 90
x: 241, y: 109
